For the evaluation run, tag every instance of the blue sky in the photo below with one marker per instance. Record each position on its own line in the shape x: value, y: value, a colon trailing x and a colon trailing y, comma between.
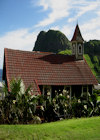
x: 22, y: 20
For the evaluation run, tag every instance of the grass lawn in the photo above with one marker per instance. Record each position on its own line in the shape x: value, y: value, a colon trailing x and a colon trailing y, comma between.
x: 75, y: 129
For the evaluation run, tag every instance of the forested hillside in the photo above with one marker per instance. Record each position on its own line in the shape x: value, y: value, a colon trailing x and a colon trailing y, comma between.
x: 57, y: 42
x: 51, y: 41
x: 92, y: 55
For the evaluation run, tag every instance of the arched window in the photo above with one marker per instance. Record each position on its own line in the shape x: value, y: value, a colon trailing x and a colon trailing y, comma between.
x: 80, y: 49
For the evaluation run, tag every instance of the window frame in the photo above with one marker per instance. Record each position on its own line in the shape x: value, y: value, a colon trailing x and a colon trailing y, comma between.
x: 80, y: 45
x: 73, y: 48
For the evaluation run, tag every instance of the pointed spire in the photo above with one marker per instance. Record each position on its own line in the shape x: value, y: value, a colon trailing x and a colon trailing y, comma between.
x: 77, y: 34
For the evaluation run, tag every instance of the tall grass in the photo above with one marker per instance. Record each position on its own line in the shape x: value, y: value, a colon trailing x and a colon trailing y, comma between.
x: 75, y: 129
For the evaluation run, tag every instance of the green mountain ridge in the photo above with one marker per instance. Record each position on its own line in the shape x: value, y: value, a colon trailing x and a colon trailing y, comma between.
x: 51, y: 41
x: 57, y: 42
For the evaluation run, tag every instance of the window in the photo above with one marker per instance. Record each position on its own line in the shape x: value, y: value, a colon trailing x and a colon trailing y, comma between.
x: 73, y: 49
x: 80, y: 49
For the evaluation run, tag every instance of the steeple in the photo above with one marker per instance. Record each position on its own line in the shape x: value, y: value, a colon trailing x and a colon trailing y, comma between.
x: 77, y: 44
x: 77, y: 35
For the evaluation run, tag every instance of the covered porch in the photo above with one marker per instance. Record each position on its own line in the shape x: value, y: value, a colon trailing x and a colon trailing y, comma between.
x: 69, y: 91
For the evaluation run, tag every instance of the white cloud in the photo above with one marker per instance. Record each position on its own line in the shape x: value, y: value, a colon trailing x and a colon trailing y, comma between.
x: 98, y: 12
x: 43, y: 3
x: 63, y: 8
x: 91, y: 29
x: 84, y: 8
x: 18, y: 39
x: 73, y: 10
x: 68, y: 31
x: 59, y: 9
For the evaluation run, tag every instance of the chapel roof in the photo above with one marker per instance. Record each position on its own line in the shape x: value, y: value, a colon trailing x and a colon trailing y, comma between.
x: 41, y: 68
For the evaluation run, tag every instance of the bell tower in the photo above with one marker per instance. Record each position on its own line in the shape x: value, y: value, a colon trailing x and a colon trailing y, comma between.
x: 77, y: 44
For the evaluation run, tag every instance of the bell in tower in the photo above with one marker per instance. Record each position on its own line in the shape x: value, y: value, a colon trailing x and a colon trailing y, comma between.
x: 77, y: 44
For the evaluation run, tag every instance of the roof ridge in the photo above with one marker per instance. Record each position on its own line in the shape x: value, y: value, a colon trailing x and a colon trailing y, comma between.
x: 38, y: 52
x: 28, y: 51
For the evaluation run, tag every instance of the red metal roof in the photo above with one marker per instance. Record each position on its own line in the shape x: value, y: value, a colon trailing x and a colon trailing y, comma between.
x: 77, y: 35
x: 38, y: 68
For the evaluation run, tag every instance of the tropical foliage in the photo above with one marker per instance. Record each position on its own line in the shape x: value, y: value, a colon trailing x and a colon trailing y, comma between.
x: 21, y: 106
x: 18, y: 105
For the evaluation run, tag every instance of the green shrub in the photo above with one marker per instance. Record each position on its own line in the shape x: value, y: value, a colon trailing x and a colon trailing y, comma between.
x: 19, y: 106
